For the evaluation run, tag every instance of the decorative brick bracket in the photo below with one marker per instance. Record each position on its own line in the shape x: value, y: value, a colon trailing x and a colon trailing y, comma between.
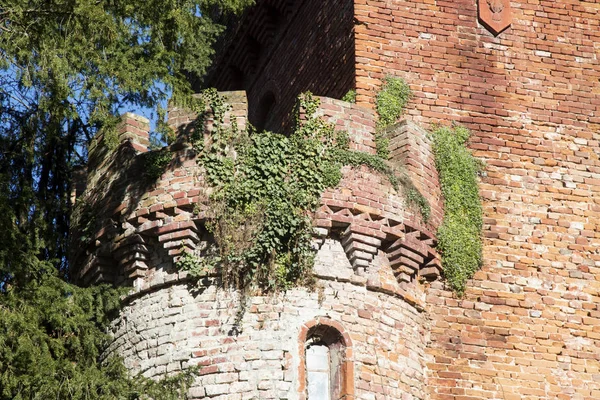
x: 364, y: 211
x: 409, y: 246
x: 137, y: 216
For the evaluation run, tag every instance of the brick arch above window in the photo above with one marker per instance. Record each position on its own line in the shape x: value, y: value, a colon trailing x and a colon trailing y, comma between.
x: 330, y: 333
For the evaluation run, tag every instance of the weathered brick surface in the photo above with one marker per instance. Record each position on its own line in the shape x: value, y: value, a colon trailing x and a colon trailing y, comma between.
x: 288, y: 48
x: 528, y: 325
x: 169, y: 327
x: 370, y: 248
x: 410, y: 149
x: 365, y: 210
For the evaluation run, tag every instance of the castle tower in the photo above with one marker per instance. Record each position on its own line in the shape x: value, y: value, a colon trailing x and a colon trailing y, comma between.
x: 523, y: 76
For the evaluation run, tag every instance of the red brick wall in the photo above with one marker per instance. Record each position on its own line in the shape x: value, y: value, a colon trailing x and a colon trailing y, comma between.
x: 312, y: 50
x: 528, y: 326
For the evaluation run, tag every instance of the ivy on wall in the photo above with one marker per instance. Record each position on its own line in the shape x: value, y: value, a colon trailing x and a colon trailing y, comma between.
x: 265, y: 185
x: 459, y: 236
x: 155, y: 163
x: 350, y: 97
x: 390, y: 103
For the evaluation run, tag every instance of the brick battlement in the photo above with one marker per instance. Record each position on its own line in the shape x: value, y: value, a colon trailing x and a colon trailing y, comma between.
x: 133, y: 214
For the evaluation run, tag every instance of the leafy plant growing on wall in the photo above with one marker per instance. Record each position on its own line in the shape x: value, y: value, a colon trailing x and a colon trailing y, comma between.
x: 265, y: 187
x: 459, y: 236
x: 390, y: 103
x: 155, y: 163
x: 391, y: 100
x: 350, y: 97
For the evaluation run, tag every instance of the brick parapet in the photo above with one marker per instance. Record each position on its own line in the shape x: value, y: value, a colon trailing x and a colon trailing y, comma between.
x: 181, y: 119
x: 122, y: 210
x: 367, y: 213
x: 359, y: 122
x: 134, y: 129
x: 411, y: 149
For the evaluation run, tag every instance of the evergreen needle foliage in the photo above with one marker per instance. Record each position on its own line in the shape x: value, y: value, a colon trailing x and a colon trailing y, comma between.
x: 51, y: 339
x: 459, y: 236
x: 67, y: 68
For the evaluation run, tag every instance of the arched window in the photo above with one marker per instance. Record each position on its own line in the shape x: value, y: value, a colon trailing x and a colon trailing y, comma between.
x: 326, y: 371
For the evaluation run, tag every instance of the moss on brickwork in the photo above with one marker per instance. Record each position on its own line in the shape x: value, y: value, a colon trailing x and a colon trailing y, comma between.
x: 391, y: 100
x: 459, y: 236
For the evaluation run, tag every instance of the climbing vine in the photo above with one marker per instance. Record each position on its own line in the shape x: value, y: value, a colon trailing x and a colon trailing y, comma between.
x: 265, y: 185
x: 350, y: 97
x: 390, y: 102
x: 459, y: 236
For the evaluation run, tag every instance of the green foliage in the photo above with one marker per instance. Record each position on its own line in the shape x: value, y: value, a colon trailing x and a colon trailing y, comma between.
x: 53, y: 333
x: 382, y: 146
x: 266, y: 185
x: 86, y: 224
x: 416, y: 199
x: 52, y: 336
x: 391, y: 100
x: 198, y: 266
x: 67, y: 68
x: 155, y: 163
x: 459, y: 236
x: 350, y: 97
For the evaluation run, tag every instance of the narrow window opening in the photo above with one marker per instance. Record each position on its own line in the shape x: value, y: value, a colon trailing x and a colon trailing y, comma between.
x: 318, y: 372
x: 264, y: 112
x: 327, y: 368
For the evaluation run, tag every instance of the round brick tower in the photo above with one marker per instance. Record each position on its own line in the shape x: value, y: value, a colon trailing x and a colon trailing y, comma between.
x: 361, y: 331
x: 522, y: 76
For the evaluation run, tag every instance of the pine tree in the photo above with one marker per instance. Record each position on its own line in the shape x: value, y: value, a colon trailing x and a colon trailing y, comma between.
x: 66, y: 69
